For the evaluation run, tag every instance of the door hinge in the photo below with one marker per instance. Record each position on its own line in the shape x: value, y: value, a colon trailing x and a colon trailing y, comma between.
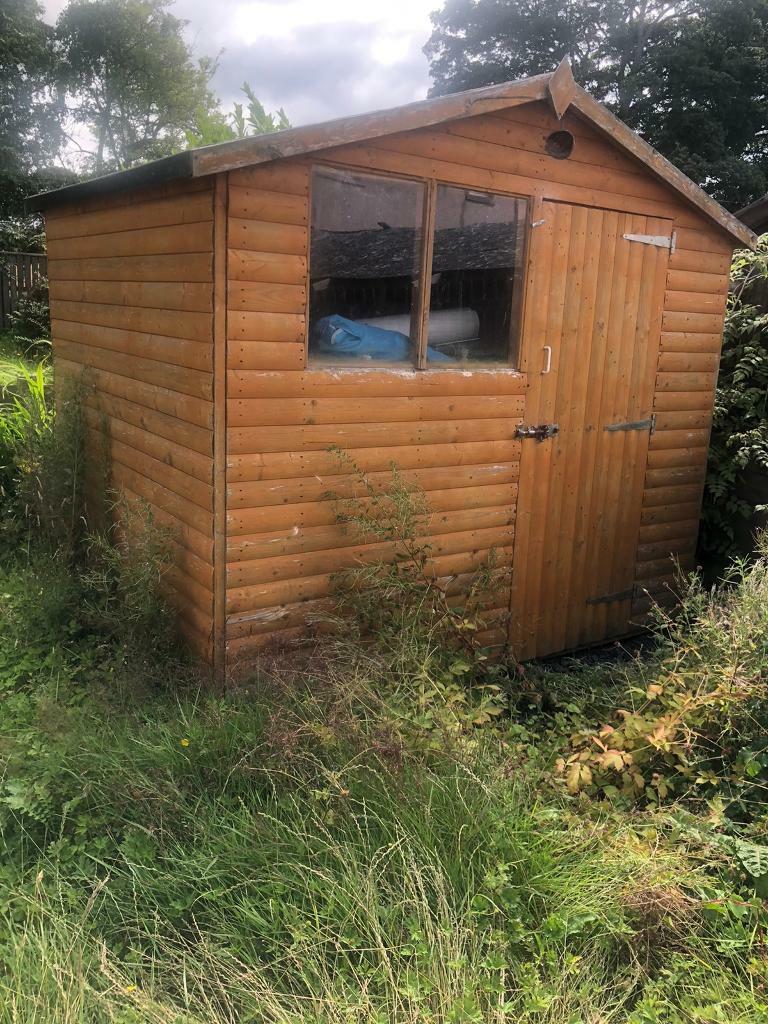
x: 649, y: 424
x: 617, y: 595
x: 660, y: 241
x: 539, y: 433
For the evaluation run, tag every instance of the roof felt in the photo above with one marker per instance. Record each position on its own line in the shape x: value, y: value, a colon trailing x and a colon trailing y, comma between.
x: 558, y: 88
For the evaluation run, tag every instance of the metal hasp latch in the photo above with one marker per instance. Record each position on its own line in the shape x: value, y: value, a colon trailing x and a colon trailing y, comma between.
x: 539, y: 433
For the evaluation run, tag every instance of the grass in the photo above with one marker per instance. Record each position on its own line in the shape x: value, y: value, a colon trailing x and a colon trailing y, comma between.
x: 391, y: 831
x: 13, y: 364
x: 304, y: 852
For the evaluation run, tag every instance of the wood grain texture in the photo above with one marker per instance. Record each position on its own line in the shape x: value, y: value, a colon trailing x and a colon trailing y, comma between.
x: 222, y: 199
x: 283, y: 418
x: 596, y: 298
x: 132, y: 314
x: 686, y: 377
x: 186, y: 308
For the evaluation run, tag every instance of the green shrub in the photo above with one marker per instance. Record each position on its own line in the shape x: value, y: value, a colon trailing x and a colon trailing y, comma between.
x: 416, y: 639
x: 740, y: 425
x: 113, y: 565
x: 695, y: 716
x: 30, y: 322
x: 398, y: 592
x: 41, y: 465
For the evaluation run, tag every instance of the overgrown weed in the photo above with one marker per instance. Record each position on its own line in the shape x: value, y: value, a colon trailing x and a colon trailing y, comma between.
x: 378, y: 833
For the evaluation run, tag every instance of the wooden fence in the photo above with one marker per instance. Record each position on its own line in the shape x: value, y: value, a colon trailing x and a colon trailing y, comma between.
x: 19, y: 273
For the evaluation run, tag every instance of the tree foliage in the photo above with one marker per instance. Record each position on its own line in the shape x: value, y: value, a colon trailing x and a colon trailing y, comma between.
x: 740, y: 427
x: 214, y: 125
x: 690, y: 76
x: 29, y: 135
x: 129, y: 78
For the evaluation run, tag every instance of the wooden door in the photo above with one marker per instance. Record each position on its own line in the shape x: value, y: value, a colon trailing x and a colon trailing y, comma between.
x: 594, y: 298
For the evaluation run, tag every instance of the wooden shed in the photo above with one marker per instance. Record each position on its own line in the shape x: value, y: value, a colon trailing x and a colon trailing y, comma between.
x: 505, y: 292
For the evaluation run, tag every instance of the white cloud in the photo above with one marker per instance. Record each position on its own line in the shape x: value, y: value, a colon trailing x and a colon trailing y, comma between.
x: 317, y: 60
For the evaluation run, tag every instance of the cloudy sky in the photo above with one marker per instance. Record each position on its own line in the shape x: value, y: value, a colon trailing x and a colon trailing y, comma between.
x: 316, y: 59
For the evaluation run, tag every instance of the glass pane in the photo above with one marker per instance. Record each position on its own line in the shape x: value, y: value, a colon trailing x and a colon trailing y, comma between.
x: 364, y: 259
x: 476, y: 294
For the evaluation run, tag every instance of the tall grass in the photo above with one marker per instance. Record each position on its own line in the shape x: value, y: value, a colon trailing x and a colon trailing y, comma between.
x: 273, y: 858
x: 40, y: 463
x: 376, y: 834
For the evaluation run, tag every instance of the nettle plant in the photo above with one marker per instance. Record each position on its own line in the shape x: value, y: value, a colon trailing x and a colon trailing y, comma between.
x: 425, y: 628
x: 740, y: 425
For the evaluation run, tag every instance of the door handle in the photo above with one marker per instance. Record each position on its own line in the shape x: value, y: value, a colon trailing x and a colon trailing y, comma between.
x: 548, y: 364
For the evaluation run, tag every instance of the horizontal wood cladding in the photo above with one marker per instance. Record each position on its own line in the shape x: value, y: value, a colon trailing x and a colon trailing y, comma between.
x: 162, y: 295
x: 268, y: 518
x: 131, y: 304
x: 686, y: 378
x: 179, y: 351
x: 292, y: 465
x: 450, y: 432
x: 177, y: 267
x: 267, y: 265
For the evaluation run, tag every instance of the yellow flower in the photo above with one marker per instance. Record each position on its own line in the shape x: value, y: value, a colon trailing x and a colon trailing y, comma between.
x: 184, y: 742
x: 129, y: 988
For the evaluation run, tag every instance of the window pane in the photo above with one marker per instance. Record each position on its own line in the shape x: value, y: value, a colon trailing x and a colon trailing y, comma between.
x: 364, y: 259
x: 476, y: 276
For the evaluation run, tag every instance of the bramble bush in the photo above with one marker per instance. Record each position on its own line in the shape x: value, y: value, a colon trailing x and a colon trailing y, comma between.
x: 695, y: 721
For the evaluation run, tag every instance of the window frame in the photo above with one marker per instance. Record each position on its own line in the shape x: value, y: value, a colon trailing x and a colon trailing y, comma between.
x: 422, y: 288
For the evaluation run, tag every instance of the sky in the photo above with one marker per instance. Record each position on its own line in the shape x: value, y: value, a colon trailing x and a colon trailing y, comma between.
x: 317, y: 59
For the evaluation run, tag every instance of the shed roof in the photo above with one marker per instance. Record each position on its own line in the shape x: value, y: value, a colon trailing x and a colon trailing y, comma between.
x: 755, y: 215
x: 559, y: 88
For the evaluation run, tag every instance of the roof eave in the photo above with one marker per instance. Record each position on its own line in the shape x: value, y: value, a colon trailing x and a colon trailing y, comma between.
x: 258, y: 149
x: 755, y: 213
x: 158, y: 172
x: 606, y: 122
x: 559, y: 89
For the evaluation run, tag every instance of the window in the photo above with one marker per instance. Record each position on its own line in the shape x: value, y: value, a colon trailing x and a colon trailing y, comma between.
x: 366, y: 254
x: 364, y: 267
x: 476, y: 276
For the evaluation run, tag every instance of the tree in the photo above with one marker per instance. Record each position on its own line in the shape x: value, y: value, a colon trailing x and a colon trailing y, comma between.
x: 257, y: 121
x: 29, y: 118
x: 690, y: 76
x: 213, y: 125
x: 130, y: 80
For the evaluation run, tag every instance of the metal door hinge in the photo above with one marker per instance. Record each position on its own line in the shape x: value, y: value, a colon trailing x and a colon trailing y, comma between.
x: 617, y: 595
x: 539, y: 433
x: 661, y: 241
x: 649, y: 424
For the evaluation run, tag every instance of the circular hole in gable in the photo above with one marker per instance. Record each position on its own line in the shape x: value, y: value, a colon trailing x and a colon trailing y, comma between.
x: 559, y: 145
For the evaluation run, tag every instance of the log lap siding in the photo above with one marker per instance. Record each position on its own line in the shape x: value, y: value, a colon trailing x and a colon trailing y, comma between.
x: 450, y: 432
x: 183, y: 307
x: 689, y: 356
x: 131, y: 316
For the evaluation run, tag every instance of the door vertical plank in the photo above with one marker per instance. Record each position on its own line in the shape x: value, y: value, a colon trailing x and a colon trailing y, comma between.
x: 534, y: 337
x: 646, y: 357
x: 594, y: 485
x: 616, y: 443
x: 567, y: 444
x: 546, y: 472
x: 602, y: 237
x: 600, y: 538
